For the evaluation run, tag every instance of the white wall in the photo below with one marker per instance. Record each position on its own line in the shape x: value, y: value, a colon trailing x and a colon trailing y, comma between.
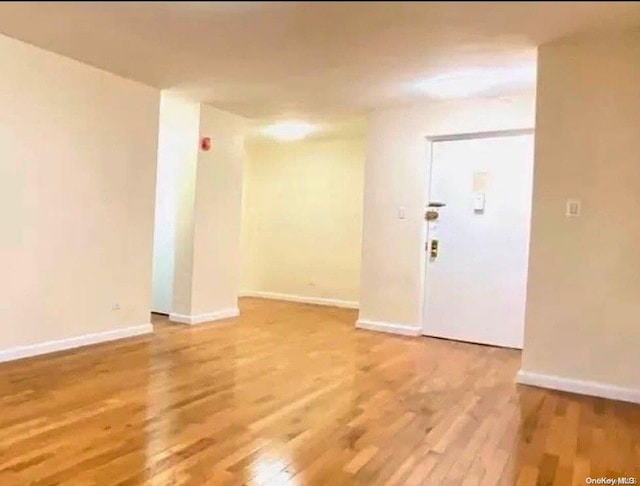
x: 77, y: 177
x: 217, y: 217
x: 197, y: 254
x: 395, y: 175
x: 302, y: 224
x: 583, y: 305
x: 177, y: 157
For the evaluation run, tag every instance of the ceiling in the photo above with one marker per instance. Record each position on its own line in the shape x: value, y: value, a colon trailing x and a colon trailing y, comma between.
x: 269, y: 60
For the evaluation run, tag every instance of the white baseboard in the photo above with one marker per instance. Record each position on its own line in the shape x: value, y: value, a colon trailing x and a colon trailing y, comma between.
x: 347, y: 304
x: 27, y: 351
x: 389, y: 327
x: 582, y: 387
x: 208, y: 317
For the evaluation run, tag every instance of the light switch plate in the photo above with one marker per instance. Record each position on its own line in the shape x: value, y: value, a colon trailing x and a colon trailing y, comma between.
x: 573, y: 208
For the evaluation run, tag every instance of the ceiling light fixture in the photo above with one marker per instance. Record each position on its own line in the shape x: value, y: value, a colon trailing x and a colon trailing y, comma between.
x: 289, y: 130
x: 462, y: 84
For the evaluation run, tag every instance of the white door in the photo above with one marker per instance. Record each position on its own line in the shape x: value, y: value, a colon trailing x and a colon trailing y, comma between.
x: 477, y: 248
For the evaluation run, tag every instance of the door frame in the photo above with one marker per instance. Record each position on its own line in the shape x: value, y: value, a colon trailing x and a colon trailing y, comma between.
x: 431, y: 139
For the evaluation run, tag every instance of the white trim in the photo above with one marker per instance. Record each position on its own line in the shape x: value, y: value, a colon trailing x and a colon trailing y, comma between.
x: 208, y: 317
x: 390, y: 327
x: 347, y: 304
x: 452, y: 137
x: 27, y: 351
x: 582, y: 387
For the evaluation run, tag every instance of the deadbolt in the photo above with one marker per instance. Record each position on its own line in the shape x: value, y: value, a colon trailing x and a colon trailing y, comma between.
x: 433, y: 252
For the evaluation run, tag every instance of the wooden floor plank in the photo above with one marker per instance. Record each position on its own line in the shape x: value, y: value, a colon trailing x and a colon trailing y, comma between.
x: 293, y: 394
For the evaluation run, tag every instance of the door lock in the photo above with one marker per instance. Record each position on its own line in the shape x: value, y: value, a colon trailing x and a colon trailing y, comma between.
x: 433, y: 252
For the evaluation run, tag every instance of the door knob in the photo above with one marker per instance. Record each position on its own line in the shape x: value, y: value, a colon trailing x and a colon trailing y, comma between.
x: 431, y: 215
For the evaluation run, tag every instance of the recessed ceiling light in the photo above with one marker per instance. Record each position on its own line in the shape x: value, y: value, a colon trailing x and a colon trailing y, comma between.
x: 462, y: 84
x: 289, y: 130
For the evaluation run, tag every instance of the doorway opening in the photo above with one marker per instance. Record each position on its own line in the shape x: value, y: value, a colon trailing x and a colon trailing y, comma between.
x: 477, y: 227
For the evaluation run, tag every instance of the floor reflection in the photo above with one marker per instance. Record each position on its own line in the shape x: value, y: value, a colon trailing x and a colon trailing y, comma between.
x: 294, y: 395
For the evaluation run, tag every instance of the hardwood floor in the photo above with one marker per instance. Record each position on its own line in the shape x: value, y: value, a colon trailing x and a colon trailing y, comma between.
x: 293, y: 394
